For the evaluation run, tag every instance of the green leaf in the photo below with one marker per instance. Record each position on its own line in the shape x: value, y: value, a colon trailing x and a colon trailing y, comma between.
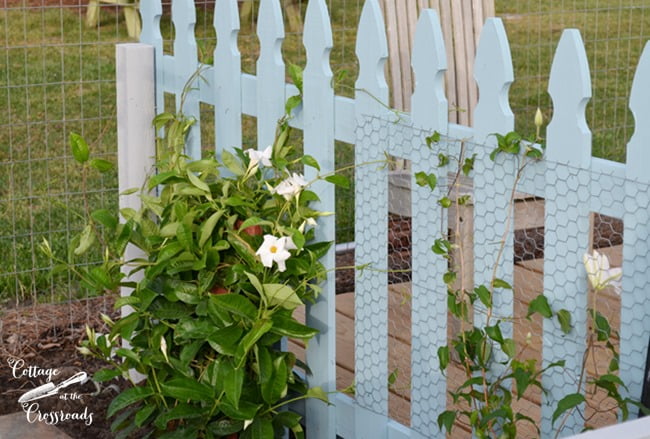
x: 287, y: 326
x: 310, y: 161
x: 231, y: 162
x: 484, y: 295
x: 339, y: 180
x: 449, y: 277
x: 143, y: 414
x: 541, y: 306
x: 80, y: 150
x: 102, y: 165
x: 508, y: 347
x: 197, y: 182
x: 184, y: 389
x: 86, y: 240
x: 182, y: 410
x: 260, y: 327
x: 232, y: 379
x: 235, y: 304
x: 292, y: 102
x: 318, y: 393
x: 208, y: 227
x: 424, y: 179
x: 446, y: 419
x: 522, y: 379
x: 445, y: 202
x: 567, y: 403
x: 282, y: 295
x: 128, y: 397
x: 106, y: 374
x: 261, y: 428
x: 224, y: 427
x: 564, y: 317
x: 246, y: 411
x: 603, y: 330
x: 433, y: 138
x: 295, y: 73
x: 494, y: 332
x: 105, y: 218
x: 443, y: 357
x: 500, y: 283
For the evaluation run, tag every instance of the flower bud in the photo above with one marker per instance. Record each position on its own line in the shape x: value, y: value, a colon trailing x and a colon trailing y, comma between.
x: 539, y: 118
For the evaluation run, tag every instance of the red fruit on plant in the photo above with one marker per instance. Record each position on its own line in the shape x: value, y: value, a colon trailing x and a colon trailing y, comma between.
x: 251, y: 230
x: 218, y: 289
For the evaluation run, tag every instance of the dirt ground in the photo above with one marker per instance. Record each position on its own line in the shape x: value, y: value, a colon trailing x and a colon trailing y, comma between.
x: 36, y: 338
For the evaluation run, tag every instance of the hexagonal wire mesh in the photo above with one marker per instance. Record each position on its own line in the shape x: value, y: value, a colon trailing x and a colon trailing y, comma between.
x: 553, y: 215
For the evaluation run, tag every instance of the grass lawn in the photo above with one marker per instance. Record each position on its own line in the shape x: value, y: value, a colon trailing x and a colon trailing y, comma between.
x: 57, y: 77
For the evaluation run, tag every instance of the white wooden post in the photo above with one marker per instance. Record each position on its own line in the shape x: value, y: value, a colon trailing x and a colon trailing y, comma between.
x: 136, y: 139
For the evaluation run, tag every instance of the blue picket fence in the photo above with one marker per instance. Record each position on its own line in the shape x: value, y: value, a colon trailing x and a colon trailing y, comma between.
x: 572, y: 182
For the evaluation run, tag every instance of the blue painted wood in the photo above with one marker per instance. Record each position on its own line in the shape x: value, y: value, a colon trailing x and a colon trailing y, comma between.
x: 568, y: 136
x: 635, y: 312
x: 429, y: 106
x: 185, y: 66
x: 227, y: 77
x: 318, y: 122
x: 150, y: 13
x: 270, y: 72
x: 371, y: 208
x: 494, y: 75
x: 567, y: 212
x: 493, y: 181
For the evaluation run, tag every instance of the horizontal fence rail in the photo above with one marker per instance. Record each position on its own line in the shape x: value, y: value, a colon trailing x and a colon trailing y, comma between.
x: 572, y: 183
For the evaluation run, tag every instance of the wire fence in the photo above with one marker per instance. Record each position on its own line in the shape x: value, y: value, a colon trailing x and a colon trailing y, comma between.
x: 57, y: 77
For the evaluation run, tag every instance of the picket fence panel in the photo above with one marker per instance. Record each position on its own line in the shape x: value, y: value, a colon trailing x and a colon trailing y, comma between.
x: 571, y: 181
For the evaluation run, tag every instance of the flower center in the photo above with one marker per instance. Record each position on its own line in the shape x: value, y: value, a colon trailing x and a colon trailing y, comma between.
x: 273, y: 249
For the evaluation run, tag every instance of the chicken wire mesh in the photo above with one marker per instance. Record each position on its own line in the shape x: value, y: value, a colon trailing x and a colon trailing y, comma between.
x: 558, y: 213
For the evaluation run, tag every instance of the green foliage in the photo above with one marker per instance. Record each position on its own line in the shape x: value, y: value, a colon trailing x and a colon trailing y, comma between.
x: 495, y: 374
x: 228, y: 255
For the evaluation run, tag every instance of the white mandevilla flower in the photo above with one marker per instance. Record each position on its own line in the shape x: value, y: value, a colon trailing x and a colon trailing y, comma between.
x: 290, y: 186
x: 275, y: 250
x: 263, y: 157
x: 600, y: 274
x: 307, y: 222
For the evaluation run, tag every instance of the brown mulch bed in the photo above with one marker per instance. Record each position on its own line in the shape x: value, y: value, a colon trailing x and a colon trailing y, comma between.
x: 45, y: 336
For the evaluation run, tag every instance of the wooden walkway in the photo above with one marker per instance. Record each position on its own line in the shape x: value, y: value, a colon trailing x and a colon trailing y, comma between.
x: 528, y: 283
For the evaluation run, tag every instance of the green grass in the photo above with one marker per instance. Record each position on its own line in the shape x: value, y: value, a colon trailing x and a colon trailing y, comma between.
x: 56, y: 77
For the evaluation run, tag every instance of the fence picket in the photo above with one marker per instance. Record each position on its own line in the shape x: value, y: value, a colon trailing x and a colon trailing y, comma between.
x: 227, y: 77
x: 430, y: 108
x: 186, y: 65
x: 371, y: 196
x: 270, y: 71
x: 494, y: 75
x: 568, y: 136
x: 428, y: 308
x: 151, y: 12
x: 493, y: 181
x: 634, y: 309
x: 318, y: 126
x: 566, y: 224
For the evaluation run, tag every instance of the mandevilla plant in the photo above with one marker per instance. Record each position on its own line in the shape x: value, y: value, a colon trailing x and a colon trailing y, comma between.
x: 229, y: 255
x: 495, y: 373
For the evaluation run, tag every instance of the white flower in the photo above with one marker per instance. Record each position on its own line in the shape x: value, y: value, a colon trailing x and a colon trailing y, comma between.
x: 260, y: 156
x: 600, y: 274
x: 275, y: 249
x: 307, y: 222
x: 290, y: 186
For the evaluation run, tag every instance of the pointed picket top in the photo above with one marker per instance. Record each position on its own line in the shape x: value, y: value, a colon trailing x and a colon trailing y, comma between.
x: 494, y: 75
x: 317, y: 37
x: 270, y: 30
x: 372, y: 52
x: 568, y: 136
x: 270, y: 71
x: 638, y: 148
x: 186, y: 65
x: 150, y: 12
x: 429, y: 106
x: 226, y: 25
x: 227, y: 76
